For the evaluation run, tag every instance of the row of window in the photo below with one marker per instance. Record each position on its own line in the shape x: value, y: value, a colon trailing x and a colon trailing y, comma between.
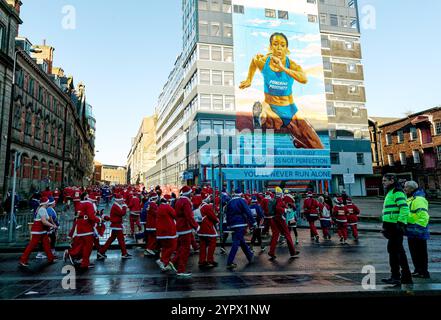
x: 215, y: 5
x: 351, y: 67
x: 334, y: 20
x: 352, y: 89
x: 28, y: 84
x: 335, y: 158
x: 215, y: 29
x: 210, y: 102
x: 215, y: 53
x: 348, y: 43
x: 217, y: 127
x: 209, y: 77
x: 415, y: 155
x: 413, y: 135
x: 2, y: 37
x: 355, y: 110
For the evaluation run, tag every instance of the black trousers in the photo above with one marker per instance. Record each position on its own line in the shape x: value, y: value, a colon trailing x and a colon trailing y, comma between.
x: 397, y: 254
x: 257, y: 235
x: 418, y: 251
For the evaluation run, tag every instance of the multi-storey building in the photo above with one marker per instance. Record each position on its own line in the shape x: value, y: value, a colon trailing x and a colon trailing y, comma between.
x: 201, y: 102
x: 113, y: 175
x: 142, y: 155
x: 411, y: 148
x: 345, y: 94
x: 51, y: 126
x: 9, y: 23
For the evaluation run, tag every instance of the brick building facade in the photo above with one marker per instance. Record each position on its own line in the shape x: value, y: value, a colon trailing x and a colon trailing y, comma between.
x: 411, y: 148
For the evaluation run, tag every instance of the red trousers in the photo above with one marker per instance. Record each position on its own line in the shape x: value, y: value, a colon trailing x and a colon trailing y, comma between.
x: 278, y: 227
x: 182, y: 252
x: 313, y: 228
x: 83, y: 247
x: 168, y: 247
x: 208, y: 246
x: 151, y: 244
x: 35, y: 241
x: 194, y: 243
x: 134, y: 219
x: 116, y: 234
x: 342, y: 229
x: 354, y: 228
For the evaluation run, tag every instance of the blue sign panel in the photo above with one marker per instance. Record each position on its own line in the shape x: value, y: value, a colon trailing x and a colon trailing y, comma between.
x: 273, y: 174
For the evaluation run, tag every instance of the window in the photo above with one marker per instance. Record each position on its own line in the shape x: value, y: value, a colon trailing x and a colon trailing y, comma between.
x: 17, y: 118
x: 329, y: 87
x: 327, y: 63
x: 230, y: 128
x: 215, y: 5
x: 270, y: 13
x: 204, y: 76
x: 203, y: 5
x: 352, y: 68
x: 2, y: 36
x: 325, y: 42
x: 226, y: 6
x: 438, y: 127
x: 344, y: 21
x: 390, y: 160
x: 218, y: 127
x: 205, y: 102
x: 216, y: 53
x: 438, y: 152
x: 28, y: 123
x: 59, y: 135
x: 205, y: 127
x: 349, y: 45
x: 335, y: 158
x: 312, y: 18
x: 355, y: 112
x: 388, y: 139
x: 203, y: 28
x: 360, y: 158
x: 239, y: 9
x: 400, y: 136
x: 416, y: 156
x: 334, y: 20
x: 403, y: 158
x: 353, y: 90
x: 204, y: 52
x: 53, y: 137
x: 228, y: 78
x: 323, y: 18
x: 331, y: 109
x: 283, y: 15
x: 37, y: 134
x: 218, y: 102
x: 413, y: 133
x: 229, y: 103
x: 228, y: 30
x: 31, y: 87
x: 215, y: 29
x: 228, y: 54
x: 216, y: 78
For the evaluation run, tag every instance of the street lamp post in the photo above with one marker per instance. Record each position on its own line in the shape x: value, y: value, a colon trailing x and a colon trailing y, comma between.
x: 17, y: 160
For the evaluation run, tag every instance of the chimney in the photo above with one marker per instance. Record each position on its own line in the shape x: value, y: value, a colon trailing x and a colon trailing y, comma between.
x: 16, y: 4
x: 47, y: 54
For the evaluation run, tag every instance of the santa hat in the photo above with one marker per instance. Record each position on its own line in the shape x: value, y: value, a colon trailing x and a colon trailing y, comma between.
x: 91, y: 197
x: 44, y: 201
x: 167, y: 197
x: 238, y: 192
x: 153, y: 196
x: 339, y: 200
x: 119, y: 197
x: 254, y: 199
x: 348, y: 200
x: 309, y: 194
x: 185, y: 191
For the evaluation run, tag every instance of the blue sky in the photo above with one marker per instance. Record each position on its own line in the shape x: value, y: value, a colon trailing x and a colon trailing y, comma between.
x: 124, y: 50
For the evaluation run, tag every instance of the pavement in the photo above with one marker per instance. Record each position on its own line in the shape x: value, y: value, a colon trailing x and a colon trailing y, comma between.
x: 326, y: 269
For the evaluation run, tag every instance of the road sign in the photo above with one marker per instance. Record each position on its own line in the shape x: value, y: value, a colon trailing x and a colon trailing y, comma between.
x: 349, y: 178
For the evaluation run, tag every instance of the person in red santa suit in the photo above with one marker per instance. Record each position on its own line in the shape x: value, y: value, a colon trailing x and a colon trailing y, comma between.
x: 196, y: 199
x: 117, y: 213
x: 279, y: 227
x: 39, y: 232
x: 135, y: 207
x: 185, y: 224
x: 325, y: 218
x: 56, y: 195
x: 340, y: 213
x: 207, y: 234
x: 151, y: 247
x: 84, y: 232
x: 311, y: 209
x: 166, y: 235
x: 77, y: 199
x: 353, y: 212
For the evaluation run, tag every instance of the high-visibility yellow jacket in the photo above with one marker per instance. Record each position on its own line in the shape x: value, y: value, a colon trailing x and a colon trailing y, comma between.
x: 419, y: 211
x: 395, y: 208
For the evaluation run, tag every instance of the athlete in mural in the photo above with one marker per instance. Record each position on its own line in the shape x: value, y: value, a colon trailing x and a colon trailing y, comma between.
x: 279, y: 110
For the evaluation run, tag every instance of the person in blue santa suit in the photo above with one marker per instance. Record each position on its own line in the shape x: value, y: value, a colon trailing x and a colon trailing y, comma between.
x: 239, y: 216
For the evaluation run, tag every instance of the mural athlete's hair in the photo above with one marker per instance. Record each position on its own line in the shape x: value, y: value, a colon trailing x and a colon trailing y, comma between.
x: 281, y: 35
